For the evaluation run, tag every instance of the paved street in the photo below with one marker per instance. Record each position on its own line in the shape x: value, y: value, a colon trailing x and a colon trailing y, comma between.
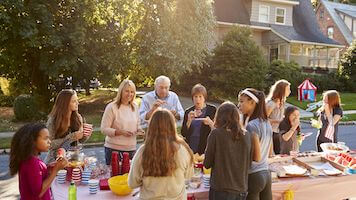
x: 9, y: 186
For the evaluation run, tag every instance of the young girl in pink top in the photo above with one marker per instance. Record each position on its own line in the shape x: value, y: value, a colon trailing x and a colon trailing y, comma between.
x: 34, y: 179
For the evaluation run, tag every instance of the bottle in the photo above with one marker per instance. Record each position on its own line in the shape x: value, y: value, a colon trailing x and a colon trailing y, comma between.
x: 72, y: 191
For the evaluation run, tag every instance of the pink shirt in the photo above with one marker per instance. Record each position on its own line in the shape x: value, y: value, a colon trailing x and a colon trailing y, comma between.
x: 32, y: 173
x: 123, y: 118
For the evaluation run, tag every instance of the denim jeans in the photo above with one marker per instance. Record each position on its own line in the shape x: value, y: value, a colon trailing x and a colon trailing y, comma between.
x: 220, y: 195
x: 108, y: 152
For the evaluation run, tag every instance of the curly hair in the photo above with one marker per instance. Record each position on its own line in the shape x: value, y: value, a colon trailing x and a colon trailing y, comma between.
x: 23, y: 145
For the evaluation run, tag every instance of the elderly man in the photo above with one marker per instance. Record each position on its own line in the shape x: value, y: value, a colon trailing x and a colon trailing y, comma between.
x: 160, y: 97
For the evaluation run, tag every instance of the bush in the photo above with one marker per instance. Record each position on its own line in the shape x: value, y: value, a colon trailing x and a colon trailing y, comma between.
x: 289, y: 71
x: 6, y: 101
x: 347, y: 68
x: 25, y: 108
x: 236, y: 63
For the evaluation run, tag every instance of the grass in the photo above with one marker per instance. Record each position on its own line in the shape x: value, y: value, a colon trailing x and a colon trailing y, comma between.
x: 348, y: 101
x: 345, y: 118
x: 5, y: 143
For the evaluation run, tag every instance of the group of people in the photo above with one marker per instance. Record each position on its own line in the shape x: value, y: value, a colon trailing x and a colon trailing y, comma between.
x: 235, y: 139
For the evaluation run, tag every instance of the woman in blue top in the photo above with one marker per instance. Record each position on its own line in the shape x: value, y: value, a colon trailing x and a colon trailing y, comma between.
x: 253, y: 107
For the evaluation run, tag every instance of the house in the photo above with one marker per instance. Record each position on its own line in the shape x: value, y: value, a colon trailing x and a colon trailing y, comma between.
x: 284, y: 29
x: 337, y: 21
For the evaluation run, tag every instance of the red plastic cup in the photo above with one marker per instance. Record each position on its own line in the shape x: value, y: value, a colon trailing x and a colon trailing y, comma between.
x: 87, y: 129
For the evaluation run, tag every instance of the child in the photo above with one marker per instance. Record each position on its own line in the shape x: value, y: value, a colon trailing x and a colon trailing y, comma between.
x: 330, y: 115
x: 288, y: 130
x: 253, y: 107
x: 229, y: 153
x: 161, y: 166
x: 34, y: 179
x: 275, y: 108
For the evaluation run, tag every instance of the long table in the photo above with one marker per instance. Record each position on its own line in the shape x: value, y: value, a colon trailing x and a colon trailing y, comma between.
x: 325, y: 188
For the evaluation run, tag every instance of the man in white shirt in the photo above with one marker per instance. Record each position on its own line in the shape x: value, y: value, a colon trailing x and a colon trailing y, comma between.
x: 160, y: 97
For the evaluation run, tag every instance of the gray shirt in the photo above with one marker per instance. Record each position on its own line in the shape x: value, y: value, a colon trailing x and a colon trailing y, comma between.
x: 276, y: 114
x: 263, y: 130
x: 230, y: 160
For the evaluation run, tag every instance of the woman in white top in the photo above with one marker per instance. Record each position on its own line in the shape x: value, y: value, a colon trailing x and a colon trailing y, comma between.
x: 161, y: 166
x: 121, y: 122
x: 275, y: 106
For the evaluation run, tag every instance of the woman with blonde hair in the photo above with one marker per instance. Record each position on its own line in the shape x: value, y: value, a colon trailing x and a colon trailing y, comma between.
x: 65, y: 124
x: 161, y: 166
x: 275, y: 106
x: 121, y: 122
x: 330, y: 115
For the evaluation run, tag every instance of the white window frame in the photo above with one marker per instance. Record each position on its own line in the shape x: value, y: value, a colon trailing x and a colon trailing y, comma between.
x: 284, y: 16
x: 268, y: 14
x: 330, y: 28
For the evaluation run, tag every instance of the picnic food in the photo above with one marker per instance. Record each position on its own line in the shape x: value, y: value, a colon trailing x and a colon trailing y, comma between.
x: 198, y: 158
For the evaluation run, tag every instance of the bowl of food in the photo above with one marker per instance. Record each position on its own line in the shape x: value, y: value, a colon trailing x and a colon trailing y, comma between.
x: 119, y: 186
x: 334, y: 148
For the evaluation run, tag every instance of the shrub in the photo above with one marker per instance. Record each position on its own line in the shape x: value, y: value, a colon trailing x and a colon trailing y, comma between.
x: 25, y: 108
x: 289, y: 71
x: 347, y: 68
x: 6, y: 101
x: 236, y: 63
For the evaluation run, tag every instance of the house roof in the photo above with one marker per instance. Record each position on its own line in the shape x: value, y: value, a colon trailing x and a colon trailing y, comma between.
x: 305, y: 27
x: 332, y: 9
x: 351, y: 13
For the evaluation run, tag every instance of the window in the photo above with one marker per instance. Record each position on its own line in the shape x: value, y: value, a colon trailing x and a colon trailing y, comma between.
x: 264, y: 14
x: 321, y: 14
x: 280, y: 15
x: 348, y: 22
x: 354, y: 28
x: 330, y: 32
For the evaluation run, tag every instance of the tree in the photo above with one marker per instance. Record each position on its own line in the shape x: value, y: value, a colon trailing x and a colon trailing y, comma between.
x: 174, y: 35
x: 236, y: 63
x: 347, y: 68
x: 42, y: 40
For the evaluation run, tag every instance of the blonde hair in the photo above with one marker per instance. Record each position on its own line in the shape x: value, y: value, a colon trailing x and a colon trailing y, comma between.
x: 122, y: 86
x: 161, y: 145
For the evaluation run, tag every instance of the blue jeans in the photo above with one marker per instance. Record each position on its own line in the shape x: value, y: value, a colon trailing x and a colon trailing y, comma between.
x: 220, y: 195
x: 108, y: 152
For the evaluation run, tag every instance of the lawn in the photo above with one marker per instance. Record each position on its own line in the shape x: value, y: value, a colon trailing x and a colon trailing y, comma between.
x: 345, y: 118
x: 348, y: 101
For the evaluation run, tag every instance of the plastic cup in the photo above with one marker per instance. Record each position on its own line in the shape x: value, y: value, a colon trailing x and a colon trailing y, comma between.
x: 87, y: 129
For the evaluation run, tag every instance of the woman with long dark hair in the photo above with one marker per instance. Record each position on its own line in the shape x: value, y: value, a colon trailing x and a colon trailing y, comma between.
x: 229, y: 153
x: 253, y: 107
x: 64, y: 123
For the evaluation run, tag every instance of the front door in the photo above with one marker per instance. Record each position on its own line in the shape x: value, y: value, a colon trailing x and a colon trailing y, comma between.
x: 273, y: 54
